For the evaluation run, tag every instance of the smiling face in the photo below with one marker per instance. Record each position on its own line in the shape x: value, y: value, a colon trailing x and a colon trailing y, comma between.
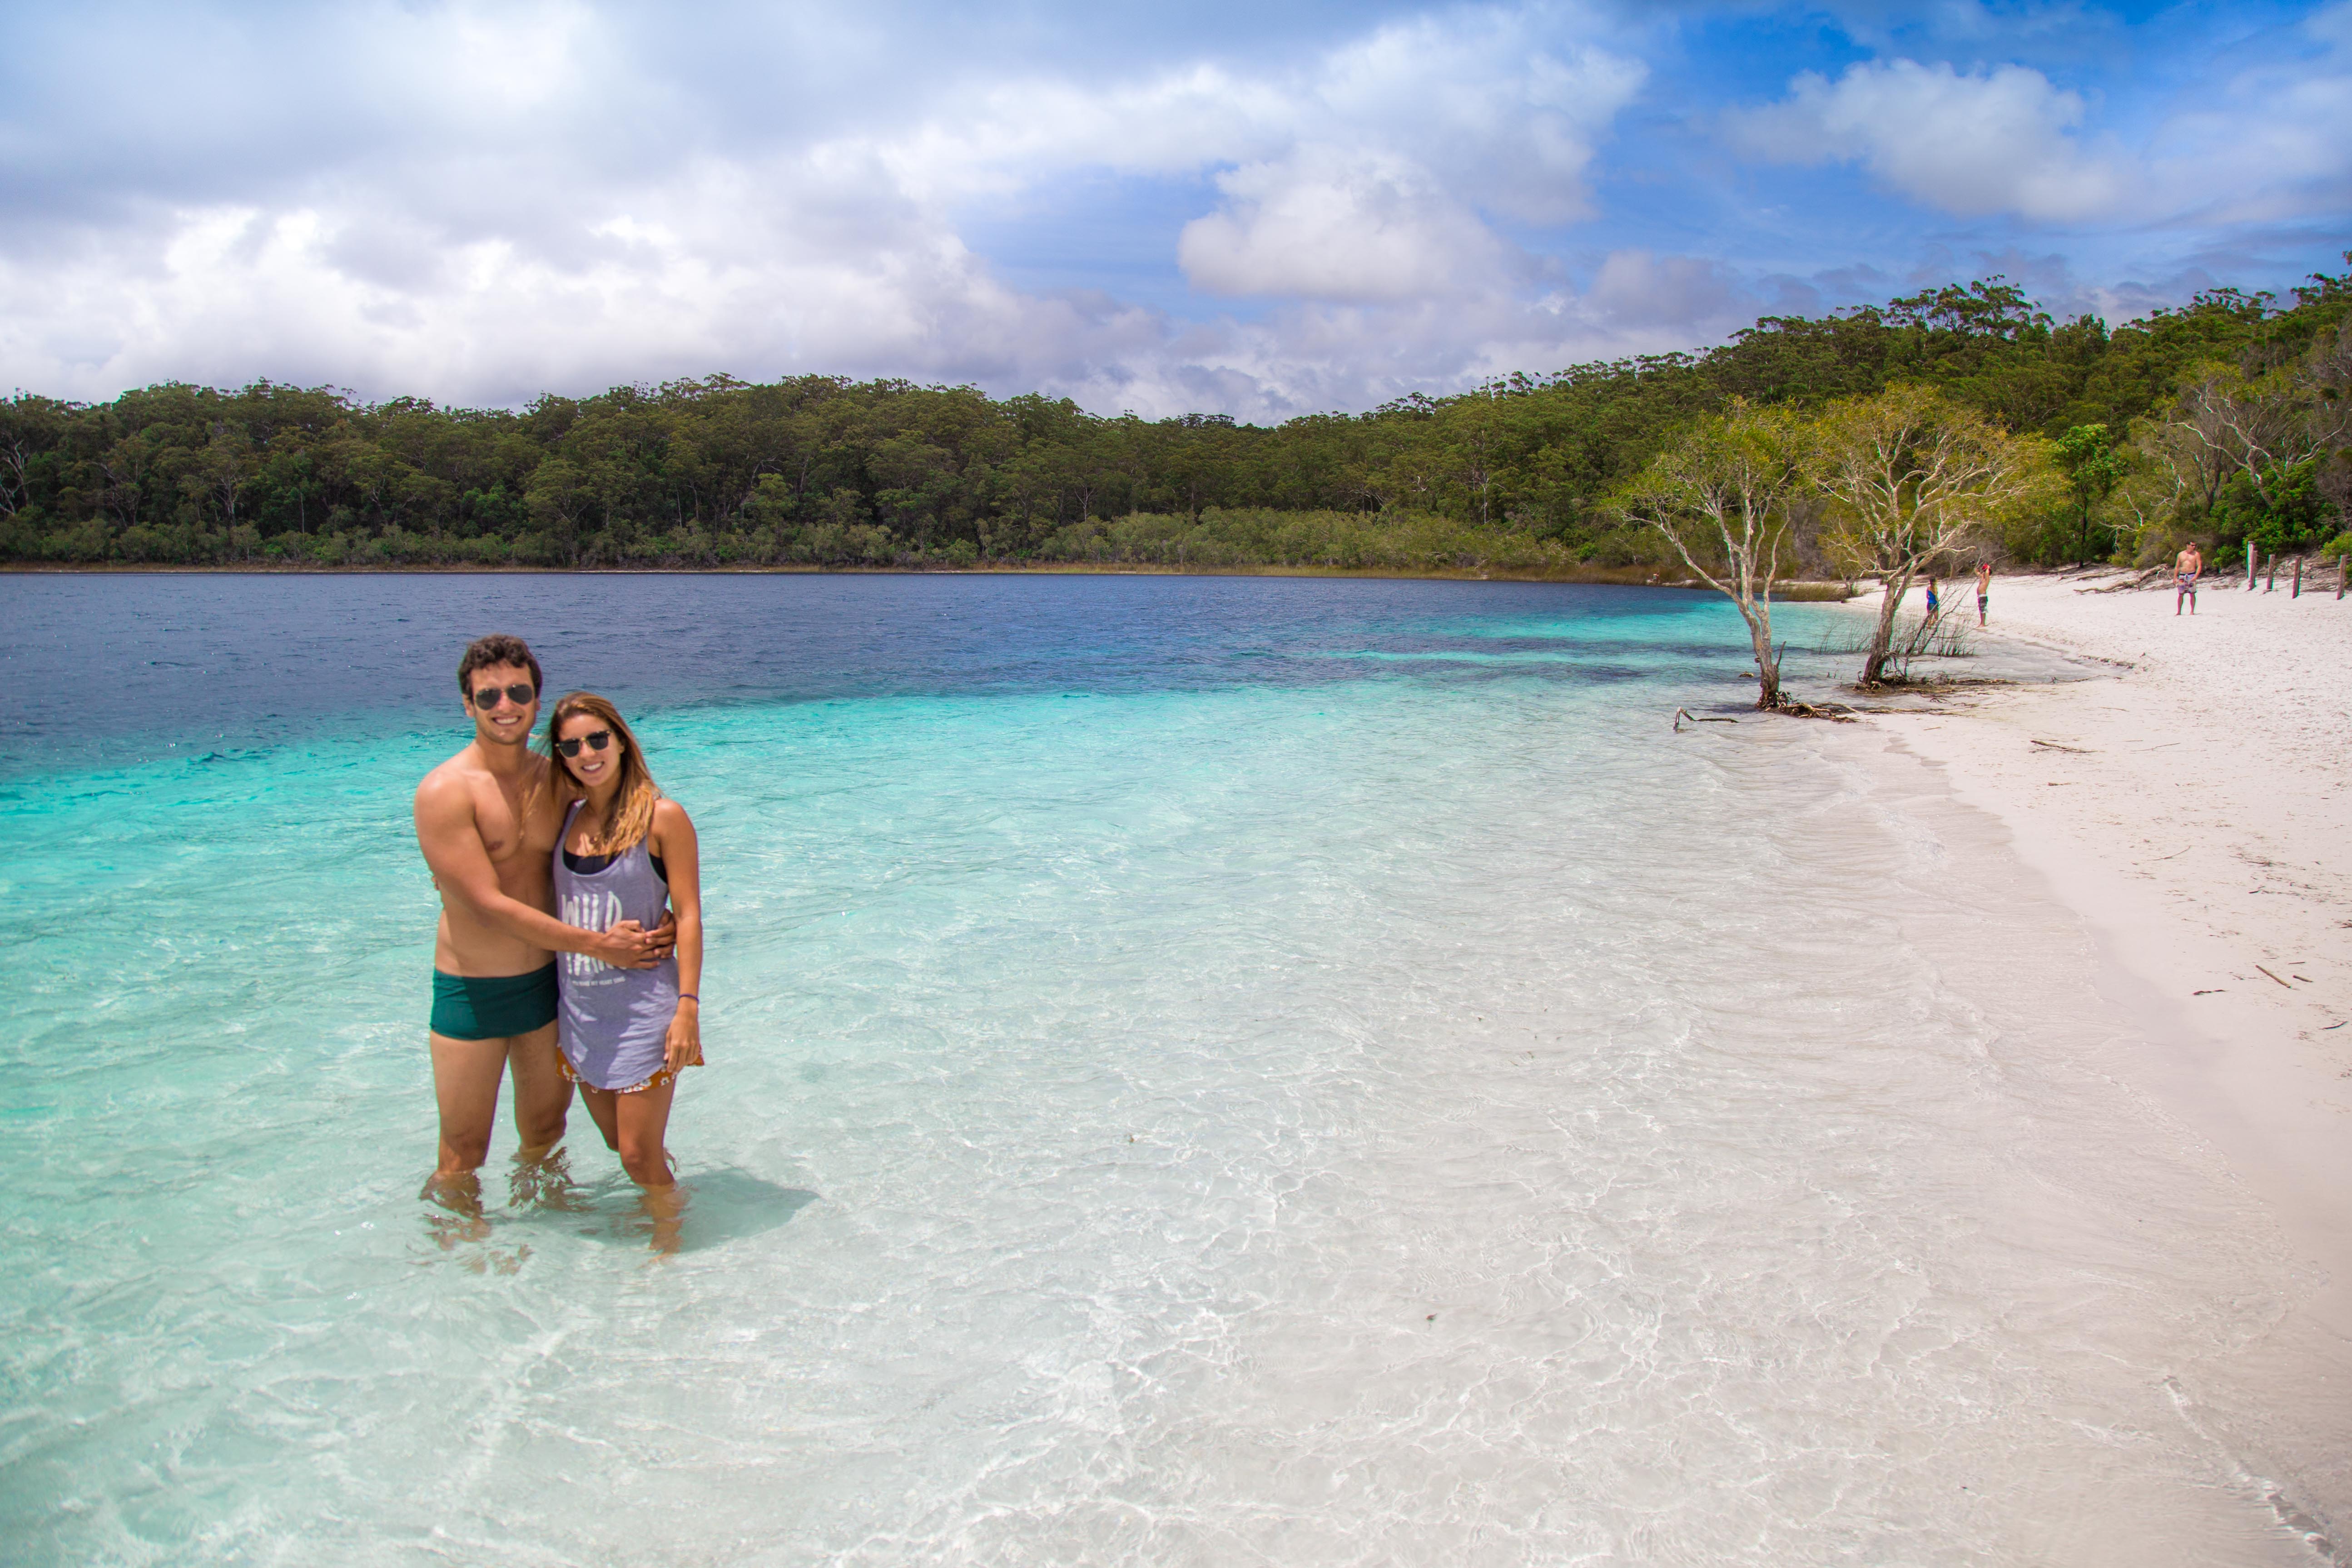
x: 593, y: 770
x: 498, y: 718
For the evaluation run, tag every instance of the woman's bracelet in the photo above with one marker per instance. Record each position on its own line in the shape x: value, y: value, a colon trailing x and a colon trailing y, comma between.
x: 689, y: 996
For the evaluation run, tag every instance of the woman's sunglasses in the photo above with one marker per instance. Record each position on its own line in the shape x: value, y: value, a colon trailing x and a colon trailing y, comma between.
x: 597, y: 740
x: 487, y: 696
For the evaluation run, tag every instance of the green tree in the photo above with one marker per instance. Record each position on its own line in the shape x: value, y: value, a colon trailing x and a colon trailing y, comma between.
x: 821, y: 468
x: 2086, y: 455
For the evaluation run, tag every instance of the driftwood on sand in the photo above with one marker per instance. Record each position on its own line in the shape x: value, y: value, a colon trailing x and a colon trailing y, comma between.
x: 1683, y: 714
x: 1835, y: 712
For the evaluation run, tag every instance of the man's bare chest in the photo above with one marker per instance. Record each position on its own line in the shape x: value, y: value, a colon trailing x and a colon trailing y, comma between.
x: 506, y: 826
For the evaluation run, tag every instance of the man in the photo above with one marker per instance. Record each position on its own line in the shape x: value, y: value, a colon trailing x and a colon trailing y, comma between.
x: 488, y: 824
x: 2186, y: 570
x: 1984, y: 589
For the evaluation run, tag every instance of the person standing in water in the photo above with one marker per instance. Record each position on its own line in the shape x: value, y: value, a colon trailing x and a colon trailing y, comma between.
x: 625, y: 850
x: 486, y: 821
x: 1984, y: 589
x: 2186, y: 570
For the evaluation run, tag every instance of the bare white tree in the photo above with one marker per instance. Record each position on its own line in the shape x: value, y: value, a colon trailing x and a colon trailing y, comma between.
x: 1720, y: 496
x: 1915, y: 479
x: 2226, y: 422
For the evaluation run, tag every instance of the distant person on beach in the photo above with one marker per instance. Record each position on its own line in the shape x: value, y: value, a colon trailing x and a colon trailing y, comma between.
x: 625, y: 851
x: 488, y: 824
x: 1984, y: 589
x: 1932, y: 606
x: 2184, y: 573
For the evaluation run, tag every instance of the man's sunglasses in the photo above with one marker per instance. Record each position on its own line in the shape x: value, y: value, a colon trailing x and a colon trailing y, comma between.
x: 597, y: 740
x: 487, y: 696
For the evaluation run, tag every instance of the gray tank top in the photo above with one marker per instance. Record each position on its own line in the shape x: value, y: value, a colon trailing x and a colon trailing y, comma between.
x: 612, y: 1021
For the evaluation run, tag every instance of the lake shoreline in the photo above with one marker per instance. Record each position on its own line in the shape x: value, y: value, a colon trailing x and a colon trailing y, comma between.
x: 2186, y: 808
x: 1598, y: 576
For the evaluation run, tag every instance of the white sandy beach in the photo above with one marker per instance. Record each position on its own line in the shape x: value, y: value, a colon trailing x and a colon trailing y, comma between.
x: 2195, y: 809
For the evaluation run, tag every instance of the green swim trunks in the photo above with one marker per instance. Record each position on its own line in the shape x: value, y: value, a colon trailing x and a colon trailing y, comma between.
x: 476, y: 1007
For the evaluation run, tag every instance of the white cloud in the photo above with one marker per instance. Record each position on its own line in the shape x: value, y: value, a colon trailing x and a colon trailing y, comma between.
x: 720, y: 269
x: 1364, y: 175
x: 2260, y: 133
x: 723, y: 271
x: 475, y: 204
x: 1322, y: 224
x: 1507, y: 118
x: 1384, y: 156
x: 1990, y: 142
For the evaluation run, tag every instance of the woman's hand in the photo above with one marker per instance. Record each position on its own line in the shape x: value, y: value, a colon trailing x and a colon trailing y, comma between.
x: 683, y: 1046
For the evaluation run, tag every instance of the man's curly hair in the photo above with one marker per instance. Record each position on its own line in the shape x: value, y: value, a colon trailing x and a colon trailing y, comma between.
x: 497, y: 648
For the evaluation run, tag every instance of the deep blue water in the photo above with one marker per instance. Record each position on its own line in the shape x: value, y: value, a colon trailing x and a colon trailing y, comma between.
x: 106, y: 669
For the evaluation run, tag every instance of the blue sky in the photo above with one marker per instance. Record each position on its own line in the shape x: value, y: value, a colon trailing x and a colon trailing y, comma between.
x: 1254, y: 209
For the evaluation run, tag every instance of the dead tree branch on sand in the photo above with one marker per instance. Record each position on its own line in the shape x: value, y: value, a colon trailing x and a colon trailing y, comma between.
x: 1683, y: 714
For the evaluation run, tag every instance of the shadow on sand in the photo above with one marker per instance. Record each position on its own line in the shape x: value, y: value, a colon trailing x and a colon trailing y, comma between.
x: 728, y: 1205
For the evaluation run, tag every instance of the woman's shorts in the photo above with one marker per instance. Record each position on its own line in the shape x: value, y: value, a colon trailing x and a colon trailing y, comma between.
x: 572, y: 1075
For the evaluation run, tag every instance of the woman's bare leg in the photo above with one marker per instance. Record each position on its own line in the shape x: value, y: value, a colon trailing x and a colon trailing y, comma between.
x: 601, y: 1111
x: 644, y: 1120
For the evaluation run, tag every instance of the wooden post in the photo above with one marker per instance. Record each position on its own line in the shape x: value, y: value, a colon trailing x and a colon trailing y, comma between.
x: 2298, y: 579
x: 2270, y: 578
x: 2250, y: 566
x: 2339, y: 571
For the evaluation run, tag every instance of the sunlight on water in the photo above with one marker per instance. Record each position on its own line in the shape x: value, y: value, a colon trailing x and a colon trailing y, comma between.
x: 1389, y: 1117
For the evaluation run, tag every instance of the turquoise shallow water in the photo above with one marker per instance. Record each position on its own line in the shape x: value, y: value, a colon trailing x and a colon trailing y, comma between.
x: 1200, y: 1073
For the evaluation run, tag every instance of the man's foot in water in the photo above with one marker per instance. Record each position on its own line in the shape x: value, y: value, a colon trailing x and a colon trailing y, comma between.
x: 457, y: 1215
x: 542, y: 1179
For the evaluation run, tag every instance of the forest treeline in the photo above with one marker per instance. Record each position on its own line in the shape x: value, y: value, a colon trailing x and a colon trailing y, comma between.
x: 2223, y: 418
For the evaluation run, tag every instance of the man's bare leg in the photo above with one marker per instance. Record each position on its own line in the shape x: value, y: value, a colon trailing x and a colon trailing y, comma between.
x: 543, y: 1100
x: 543, y: 1095
x: 466, y: 1076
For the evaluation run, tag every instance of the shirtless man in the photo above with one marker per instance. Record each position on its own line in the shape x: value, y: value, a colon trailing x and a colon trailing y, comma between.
x: 1984, y: 589
x: 2184, y: 573
x: 487, y: 822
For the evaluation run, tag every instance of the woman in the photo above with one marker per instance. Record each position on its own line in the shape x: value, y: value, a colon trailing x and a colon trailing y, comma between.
x: 625, y: 849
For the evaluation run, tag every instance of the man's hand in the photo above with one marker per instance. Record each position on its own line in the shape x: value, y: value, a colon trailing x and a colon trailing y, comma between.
x: 625, y: 945
x: 665, y: 935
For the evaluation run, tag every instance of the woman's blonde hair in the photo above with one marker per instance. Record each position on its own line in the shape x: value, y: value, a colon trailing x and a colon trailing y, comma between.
x: 631, y: 815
